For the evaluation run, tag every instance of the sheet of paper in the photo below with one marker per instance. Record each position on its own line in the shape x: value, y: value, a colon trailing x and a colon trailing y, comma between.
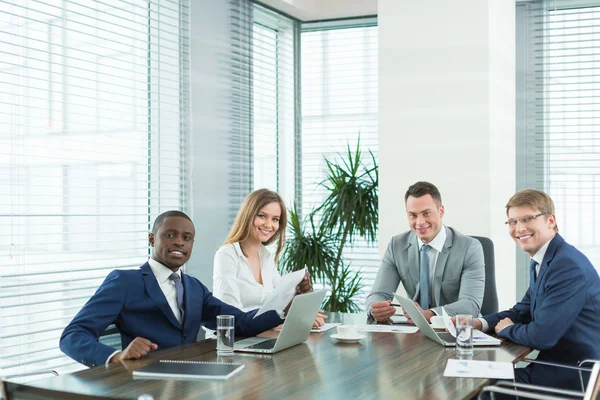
x: 283, y: 292
x: 448, y: 322
x: 388, y: 328
x: 479, y: 369
x: 480, y: 337
x: 326, y: 327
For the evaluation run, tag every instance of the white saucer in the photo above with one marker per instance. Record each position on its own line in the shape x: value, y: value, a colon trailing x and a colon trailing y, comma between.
x: 346, y: 339
x: 437, y: 327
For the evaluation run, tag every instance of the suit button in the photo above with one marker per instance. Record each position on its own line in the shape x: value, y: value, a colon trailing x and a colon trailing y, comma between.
x: 184, y: 336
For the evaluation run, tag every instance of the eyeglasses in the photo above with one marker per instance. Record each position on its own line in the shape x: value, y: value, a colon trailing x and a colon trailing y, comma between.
x: 524, y: 220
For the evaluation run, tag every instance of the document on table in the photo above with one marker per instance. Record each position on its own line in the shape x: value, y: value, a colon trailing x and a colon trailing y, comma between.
x: 479, y: 338
x: 479, y: 369
x: 387, y: 328
x: 283, y: 293
x: 326, y: 327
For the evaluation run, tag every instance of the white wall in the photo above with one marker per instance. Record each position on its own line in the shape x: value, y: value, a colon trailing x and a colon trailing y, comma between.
x: 447, y: 115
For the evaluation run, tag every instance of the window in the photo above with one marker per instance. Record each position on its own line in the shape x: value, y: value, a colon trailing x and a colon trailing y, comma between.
x: 273, y: 101
x: 92, y: 131
x: 262, y: 105
x: 339, y: 103
x: 560, y: 137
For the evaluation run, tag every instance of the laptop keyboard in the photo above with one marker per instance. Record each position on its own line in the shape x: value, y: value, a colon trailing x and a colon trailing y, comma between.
x: 446, y: 337
x: 267, y: 344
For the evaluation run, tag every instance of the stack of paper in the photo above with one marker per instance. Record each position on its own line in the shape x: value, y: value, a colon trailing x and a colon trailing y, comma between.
x: 479, y: 369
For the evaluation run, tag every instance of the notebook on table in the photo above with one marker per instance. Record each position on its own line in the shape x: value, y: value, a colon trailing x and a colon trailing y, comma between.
x: 189, y: 370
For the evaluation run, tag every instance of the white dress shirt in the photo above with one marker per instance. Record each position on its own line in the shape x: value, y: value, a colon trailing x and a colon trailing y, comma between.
x: 538, y: 258
x: 167, y: 286
x: 233, y: 281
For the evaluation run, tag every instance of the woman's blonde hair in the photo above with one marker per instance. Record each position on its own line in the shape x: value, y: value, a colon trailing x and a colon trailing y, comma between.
x: 244, y: 221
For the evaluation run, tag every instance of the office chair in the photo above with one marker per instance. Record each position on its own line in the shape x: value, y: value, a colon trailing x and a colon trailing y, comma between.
x: 490, y: 295
x: 527, y: 391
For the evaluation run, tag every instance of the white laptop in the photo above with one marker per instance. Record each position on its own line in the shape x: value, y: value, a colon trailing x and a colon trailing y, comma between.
x: 443, y: 338
x: 295, y: 330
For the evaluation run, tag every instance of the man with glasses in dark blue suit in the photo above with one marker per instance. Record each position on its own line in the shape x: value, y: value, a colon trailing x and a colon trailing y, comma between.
x: 560, y: 313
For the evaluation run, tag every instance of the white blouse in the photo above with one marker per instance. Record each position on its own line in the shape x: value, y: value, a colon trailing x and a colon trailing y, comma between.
x: 233, y: 281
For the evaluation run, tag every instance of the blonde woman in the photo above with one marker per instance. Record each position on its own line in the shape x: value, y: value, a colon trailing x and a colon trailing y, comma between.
x: 244, y: 270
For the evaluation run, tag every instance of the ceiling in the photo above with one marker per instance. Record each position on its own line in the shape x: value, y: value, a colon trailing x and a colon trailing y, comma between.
x: 315, y: 10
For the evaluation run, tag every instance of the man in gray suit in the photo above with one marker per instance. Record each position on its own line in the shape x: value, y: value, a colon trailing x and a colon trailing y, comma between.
x: 437, y: 265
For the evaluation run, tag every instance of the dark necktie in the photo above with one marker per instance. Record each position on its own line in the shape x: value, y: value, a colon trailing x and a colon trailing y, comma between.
x: 179, y: 288
x: 532, y: 265
x: 424, y: 277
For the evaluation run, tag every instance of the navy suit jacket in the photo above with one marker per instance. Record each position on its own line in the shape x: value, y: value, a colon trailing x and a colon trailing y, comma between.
x: 560, y: 317
x: 134, y: 302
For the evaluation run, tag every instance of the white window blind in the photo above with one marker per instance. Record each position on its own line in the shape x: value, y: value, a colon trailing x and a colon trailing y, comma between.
x: 562, y: 135
x: 264, y: 98
x: 273, y: 101
x: 92, y: 133
x: 339, y: 101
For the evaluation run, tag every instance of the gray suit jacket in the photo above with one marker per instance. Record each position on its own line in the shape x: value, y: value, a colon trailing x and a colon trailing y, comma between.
x: 459, y: 273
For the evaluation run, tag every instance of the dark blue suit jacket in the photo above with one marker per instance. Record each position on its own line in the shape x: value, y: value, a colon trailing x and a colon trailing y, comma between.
x: 561, y: 317
x: 134, y: 302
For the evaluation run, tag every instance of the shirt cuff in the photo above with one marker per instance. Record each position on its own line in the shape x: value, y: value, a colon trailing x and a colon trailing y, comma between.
x: 109, y: 357
x: 484, y: 325
x: 281, y: 314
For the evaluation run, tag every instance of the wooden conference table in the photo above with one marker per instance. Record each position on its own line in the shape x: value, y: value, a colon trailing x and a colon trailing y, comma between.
x: 407, y: 366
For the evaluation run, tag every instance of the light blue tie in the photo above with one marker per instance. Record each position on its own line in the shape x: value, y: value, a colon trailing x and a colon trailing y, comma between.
x: 532, y: 265
x: 424, y: 277
x: 179, y: 288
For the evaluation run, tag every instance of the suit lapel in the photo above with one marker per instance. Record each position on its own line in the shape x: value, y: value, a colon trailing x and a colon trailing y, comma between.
x: 440, y: 265
x: 413, y: 263
x: 187, y: 299
x: 157, y: 295
x: 552, y: 247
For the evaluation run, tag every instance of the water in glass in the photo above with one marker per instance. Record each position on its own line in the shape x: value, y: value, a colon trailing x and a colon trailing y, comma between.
x: 225, y: 339
x: 464, y: 335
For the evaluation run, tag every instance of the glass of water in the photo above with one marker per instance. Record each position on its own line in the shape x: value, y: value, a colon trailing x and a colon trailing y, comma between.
x: 464, y: 335
x: 225, y: 334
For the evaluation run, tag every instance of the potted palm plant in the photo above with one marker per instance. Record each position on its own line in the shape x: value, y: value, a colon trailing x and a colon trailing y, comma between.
x: 349, y: 211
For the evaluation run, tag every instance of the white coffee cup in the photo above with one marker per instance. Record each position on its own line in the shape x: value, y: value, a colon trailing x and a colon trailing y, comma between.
x: 347, y: 331
x: 437, y: 322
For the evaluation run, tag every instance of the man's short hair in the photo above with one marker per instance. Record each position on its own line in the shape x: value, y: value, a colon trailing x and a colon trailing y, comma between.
x: 532, y: 198
x: 161, y: 218
x: 422, y: 188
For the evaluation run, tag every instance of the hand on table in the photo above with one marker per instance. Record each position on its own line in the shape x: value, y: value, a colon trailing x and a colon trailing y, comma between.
x: 382, y: 310
x: 503, y: 324
x: 137, y: 349
x: 320, y: 319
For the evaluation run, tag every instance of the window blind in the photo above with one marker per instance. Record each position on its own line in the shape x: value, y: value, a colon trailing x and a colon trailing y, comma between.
x: 273, y: 99
x: 562, y: 130
x: 264, y: 96
x: 92, y: 135
x: 339, y: 103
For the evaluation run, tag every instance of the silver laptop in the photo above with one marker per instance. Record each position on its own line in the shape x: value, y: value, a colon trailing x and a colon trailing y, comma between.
x: 295, y: 330
x: 443, y: 338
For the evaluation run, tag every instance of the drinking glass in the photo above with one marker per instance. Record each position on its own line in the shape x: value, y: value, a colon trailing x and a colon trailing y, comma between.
x: 225, y: 334
x: 464, y: 335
